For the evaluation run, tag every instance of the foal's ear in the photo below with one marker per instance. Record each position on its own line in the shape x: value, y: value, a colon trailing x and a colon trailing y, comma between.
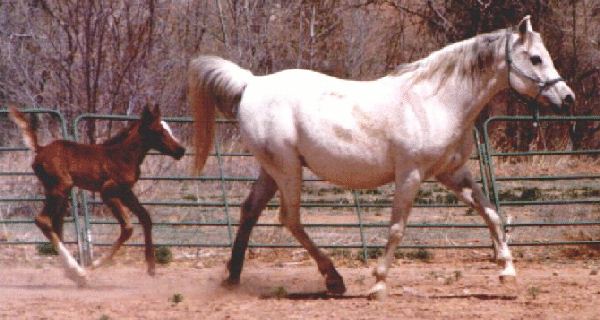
x: 156, y: 110
x: 525, y: 29
x: 147, y: 115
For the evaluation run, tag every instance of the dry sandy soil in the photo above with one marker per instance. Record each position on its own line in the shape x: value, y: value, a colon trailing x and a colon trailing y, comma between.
x: 287, y: 287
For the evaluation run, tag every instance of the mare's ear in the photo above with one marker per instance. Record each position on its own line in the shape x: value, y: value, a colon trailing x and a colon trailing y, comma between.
x: 525, y: 30
x: 147, y: 115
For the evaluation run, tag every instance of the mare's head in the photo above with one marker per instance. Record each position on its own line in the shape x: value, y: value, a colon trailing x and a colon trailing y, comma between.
x: 156, y: 134
x: 531, y: 71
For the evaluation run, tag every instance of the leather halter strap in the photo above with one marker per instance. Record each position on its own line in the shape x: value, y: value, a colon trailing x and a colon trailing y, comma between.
x: 542, y: 84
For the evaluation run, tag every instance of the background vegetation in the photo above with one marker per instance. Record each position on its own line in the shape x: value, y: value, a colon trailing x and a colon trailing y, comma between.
x: 110, y: 56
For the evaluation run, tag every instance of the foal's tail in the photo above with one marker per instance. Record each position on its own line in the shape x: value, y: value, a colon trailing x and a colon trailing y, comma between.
x: 28, y: 131
x: 213, y: 82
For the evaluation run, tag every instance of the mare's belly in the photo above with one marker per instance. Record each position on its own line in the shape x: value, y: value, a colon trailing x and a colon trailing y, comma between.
x: 352, y: 171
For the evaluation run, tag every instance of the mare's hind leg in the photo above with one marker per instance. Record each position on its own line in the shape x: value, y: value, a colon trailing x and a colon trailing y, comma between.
x: 289, y: 182
x: 132, y: 202
x: 116, y: 207
x: 407, y: 184
x: 262, y: 191
x: 462, y: 183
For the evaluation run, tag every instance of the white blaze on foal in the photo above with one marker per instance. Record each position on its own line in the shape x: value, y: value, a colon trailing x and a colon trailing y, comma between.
x: 166, y: 126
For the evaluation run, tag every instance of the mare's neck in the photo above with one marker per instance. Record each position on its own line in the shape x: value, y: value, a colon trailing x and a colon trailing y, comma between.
x: 469, y: 97
x: 467, y: 94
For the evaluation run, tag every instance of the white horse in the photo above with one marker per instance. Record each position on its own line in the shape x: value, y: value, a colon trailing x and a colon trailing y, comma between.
x: 408, y: 126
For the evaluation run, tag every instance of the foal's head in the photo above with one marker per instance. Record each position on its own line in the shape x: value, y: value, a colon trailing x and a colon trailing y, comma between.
x: 531, y: 71
x: 156, y: 134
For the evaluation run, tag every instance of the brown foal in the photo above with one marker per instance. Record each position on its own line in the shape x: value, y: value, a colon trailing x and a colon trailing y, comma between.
x: 110, y: 168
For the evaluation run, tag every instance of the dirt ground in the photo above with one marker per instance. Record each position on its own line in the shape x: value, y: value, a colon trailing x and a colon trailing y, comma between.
x: 287, y: 286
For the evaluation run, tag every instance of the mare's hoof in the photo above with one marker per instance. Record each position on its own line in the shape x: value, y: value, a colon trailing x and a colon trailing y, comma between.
x: 335, y: 286
x: 378, y: 292
x: 230, y: 283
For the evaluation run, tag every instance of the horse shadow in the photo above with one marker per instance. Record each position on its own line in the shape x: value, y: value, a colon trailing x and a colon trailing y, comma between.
x: 324, y: 295
x: 89, y: 287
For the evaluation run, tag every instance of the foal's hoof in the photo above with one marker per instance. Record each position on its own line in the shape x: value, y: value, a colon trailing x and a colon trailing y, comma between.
x: 97, y: 263
x: 151, y: 272
x: 378, y: 292
x: 82, y: 282
x: 230, y: 283
x: 507, y: 279
x: 335, y: 285
x: 79, y: 276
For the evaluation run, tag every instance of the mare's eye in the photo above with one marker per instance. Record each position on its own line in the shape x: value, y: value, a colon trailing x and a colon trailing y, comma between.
x: 535, y: 60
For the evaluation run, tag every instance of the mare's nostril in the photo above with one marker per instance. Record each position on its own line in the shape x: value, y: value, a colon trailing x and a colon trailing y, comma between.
x: 569, y: 99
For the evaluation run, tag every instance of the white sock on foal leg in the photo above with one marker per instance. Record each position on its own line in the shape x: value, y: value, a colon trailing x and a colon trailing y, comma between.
x: 505, y: 257
x: 72, y: 269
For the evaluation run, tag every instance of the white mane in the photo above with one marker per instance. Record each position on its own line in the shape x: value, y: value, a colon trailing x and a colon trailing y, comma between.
x: 467, y: 58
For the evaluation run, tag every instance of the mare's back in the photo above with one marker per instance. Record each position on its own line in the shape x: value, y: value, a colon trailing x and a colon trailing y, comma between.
x: 301, y: 80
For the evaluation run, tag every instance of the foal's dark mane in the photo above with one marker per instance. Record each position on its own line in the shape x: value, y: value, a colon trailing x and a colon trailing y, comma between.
x: 121, y: 135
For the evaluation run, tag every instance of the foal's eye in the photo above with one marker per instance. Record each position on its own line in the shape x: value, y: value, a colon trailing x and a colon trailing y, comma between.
x: 535, y: 60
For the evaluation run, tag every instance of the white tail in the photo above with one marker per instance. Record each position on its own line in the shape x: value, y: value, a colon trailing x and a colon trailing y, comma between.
x: 213, y: 82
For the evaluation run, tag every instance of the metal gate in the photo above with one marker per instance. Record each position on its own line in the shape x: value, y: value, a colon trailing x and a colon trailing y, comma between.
x: 203, y: 211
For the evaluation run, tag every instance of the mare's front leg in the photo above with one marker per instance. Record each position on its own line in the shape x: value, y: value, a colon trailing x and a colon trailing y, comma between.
x: 263, y: 190
x: 132, y: 202
x: 407, y: 184
x: 469, y: 191
x: 110, y: 196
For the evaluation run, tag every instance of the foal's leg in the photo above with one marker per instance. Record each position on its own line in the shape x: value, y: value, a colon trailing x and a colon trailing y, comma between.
x: 46, y: 220
x: 290, y: 185
x: 117, y: 209
x: 262, y: 191
x: 132, y: 202
x: 58, y: 217
x: 407, y: 185
x: 462, y: 183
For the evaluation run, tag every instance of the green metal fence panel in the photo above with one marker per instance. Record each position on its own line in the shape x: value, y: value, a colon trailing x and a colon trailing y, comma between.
x: 224, y: 201
x: 203, y: 211
x: 4, y: 149
x: 532, y: 197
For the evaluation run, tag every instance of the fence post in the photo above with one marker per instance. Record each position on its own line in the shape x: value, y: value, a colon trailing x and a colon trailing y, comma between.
x: 490, y: 165
x: 360, y: 224
x: 223, y: 191
x: 483, y: 164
